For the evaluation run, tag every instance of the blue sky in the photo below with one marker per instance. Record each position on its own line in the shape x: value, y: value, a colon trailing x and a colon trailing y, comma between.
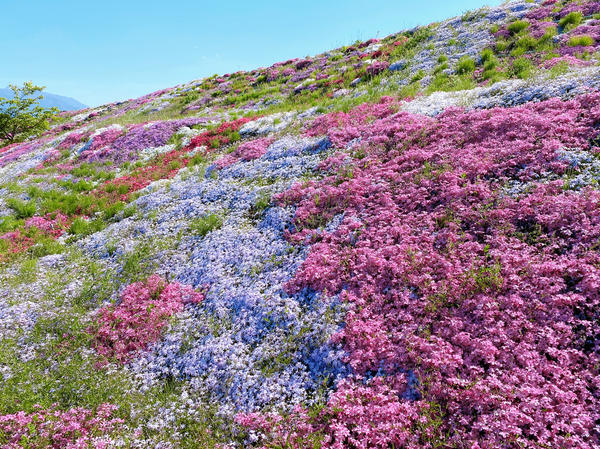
x: 104, y: 51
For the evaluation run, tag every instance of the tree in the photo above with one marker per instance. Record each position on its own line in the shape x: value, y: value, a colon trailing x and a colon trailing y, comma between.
x: 22, y: 116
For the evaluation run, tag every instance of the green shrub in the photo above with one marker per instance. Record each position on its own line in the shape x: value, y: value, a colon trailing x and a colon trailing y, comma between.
x: 502, y: 45
x: 67, y: 203
x: 571, y: 20
x: 9, y: 223
x: 22, y: 209
x: 583, y: 41
x: 418, y: 76
x: 527, y: 43
x: 487, y: 55
x: 45, y: 247
x: 465, y: 66
x: 203, y: 225
x: 559, y: 69
x: 521, y: 68
x: 113, y: 210
x: 81, y: 227
x: 517, y: 26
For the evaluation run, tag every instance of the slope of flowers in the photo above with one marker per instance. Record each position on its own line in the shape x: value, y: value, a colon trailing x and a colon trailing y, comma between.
x: 392, y: 244
x: 491, y: 302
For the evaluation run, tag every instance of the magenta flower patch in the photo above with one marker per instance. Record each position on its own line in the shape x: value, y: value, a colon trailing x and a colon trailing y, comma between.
x: 140, y: 317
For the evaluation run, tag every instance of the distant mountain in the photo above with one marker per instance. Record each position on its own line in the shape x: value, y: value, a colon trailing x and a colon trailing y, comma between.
x: 51, y: 100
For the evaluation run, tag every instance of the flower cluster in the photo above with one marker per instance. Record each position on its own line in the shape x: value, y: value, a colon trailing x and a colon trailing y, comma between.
x: 489, y: 300
x: 76, y: 428
x: 140, y: 316
x: 246, y: 151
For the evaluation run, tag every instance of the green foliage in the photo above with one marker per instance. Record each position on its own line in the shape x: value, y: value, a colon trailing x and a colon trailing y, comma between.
x: 465, y: 66
x: 79, y: 186
x: 559, y: 69
x: 22, y: 209
x: 502, y: 45
x: 571, y: 20
x: 46, y: 246
x: 129, y: 211
x: 583, y: 41
x: 418, y: 76
x: 262, y: 203
x: 68, y: 203
x: 517, y: 26
x: 81, y: 227
x: 9, y: 223
x: 203, y: 225
x: 113, y: 210
x: 521, y: 68
x: 490, y: 64
x: 21, y: 116
x: 526, y: 43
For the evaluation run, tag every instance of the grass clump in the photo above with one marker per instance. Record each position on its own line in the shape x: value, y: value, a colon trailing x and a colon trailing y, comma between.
x: 22, y: 209
x: 517, y: 26
x: 465, y: 66
x: 203, y: 225
x: 571, y: 20
x: 521, y: 68
x: 581, y: 41
x: 81, y: 227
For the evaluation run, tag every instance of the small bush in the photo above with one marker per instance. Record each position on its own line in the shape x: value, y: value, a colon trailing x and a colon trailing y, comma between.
x: 22, y: 209
x: 204, y: 225
x: 487, y: 55
x: 465, y: 66
x: 527, y: 43
x: 521, y: 68
x: 81, y: 227
x: 571, y: 20
x: 502, y: 45
x: 518, y: 26
x: 418, y: 76
x: 45, y: 247
x: 580, y: 41
x: 113, y: 210
x: 9, y: 223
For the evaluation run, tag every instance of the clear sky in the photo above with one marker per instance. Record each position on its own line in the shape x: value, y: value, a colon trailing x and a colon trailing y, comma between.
x: 99, y: 51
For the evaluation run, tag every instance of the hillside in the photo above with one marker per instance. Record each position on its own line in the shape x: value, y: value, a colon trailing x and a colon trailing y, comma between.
x: 50, y: 100
x: 394, y: 244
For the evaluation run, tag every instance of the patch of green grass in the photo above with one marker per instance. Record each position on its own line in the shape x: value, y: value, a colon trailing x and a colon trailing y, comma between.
x: 203, y: 225
x: 80, y: 227
x: 559, y: 69
x: 261, y: 204
x: 137, y: 264
x: 517, y: 26
x: 525, y: 43
x: 9, y: 223
x: 22, y: 209
x: 113, y: 210
x: 465, y: 66
x: 583, y: 41
x: 46, y: 246
x: 129, y: 211
x: 571, y: 20
x: 418, y: 76
x: 521, y: 68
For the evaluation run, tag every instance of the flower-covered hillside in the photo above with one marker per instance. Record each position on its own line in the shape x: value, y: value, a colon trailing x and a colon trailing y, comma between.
x: 393, y: 244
